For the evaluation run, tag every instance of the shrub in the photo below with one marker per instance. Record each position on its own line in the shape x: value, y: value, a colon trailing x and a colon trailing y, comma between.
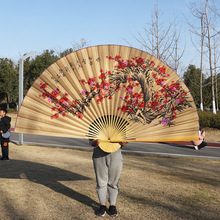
x: 208, y: 119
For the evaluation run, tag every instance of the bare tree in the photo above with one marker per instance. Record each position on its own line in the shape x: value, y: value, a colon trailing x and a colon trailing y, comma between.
x: 177, y: 53
x: 158, y: 39
x: 198, y: 13
x: 76, y: 46
x: 83, y: 43
x: 209, y: 26
x: 206, y: 33
x: 215, y: 63
x: 201, y: 62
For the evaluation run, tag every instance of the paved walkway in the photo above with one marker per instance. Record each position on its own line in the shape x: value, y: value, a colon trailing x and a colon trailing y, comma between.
x: 210, y: 144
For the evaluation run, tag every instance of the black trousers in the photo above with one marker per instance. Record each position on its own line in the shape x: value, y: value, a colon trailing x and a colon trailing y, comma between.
x: 4, y: 146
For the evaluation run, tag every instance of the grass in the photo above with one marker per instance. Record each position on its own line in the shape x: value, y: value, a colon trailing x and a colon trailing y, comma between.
x: 212, y: 135
x: 55, y: 183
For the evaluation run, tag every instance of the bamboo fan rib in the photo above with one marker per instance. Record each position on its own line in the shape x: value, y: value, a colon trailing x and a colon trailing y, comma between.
x: 111, y: 93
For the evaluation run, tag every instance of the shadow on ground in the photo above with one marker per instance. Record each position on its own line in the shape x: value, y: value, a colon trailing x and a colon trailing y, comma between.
x: 46, y: 175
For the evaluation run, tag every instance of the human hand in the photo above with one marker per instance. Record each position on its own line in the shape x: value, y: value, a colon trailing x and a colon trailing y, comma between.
x: 203, y: 134
x: 123, y: 143
x: 95, y: 142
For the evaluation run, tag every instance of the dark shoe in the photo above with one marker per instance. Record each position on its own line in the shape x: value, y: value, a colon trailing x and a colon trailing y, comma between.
x: 101, y: 211
x: 112, y: 211
x: 4, y: 158
x: 196, y: 148
x: 202, y: 145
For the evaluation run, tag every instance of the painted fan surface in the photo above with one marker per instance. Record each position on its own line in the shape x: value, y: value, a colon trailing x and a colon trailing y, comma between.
x: 111, y: 93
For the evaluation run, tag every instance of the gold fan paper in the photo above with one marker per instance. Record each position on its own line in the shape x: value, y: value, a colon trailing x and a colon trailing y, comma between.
x: 111, y: 93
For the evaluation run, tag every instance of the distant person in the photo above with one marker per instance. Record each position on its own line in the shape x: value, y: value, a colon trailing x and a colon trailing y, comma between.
x: 4, y: 133
x: 108, y: 167
x: 199, y: 144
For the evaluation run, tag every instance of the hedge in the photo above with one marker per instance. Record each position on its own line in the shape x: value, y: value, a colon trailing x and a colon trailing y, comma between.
x: 208, y: 119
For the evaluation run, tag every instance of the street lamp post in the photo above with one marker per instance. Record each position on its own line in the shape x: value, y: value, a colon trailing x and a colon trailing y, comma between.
x: 21, y: 84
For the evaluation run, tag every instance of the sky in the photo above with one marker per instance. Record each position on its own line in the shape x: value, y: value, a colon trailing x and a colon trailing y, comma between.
x: 37, y: 25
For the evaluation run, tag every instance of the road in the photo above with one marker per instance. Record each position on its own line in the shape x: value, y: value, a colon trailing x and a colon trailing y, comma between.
x: 165, y: 149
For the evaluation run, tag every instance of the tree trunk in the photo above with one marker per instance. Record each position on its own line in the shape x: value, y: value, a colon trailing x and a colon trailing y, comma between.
x: 210, y: 59
x: 201, y: 67
x: 216, y: 75
x: 158, y: 43
x: 216, y: 90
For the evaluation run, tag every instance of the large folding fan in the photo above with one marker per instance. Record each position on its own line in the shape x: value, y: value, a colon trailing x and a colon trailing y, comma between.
x: 111, y: 93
